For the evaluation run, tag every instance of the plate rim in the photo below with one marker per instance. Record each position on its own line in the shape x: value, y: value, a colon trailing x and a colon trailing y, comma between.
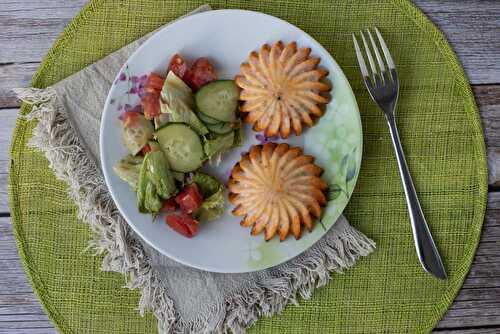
x: 149, y: 40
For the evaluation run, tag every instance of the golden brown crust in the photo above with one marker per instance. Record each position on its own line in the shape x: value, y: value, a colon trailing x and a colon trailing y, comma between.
x: 282, y: 89
x: 277, y: 189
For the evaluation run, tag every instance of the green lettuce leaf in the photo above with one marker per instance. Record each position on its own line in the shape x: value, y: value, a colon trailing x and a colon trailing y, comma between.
x: 212, y: 207
x: 177, y: 102
x: 208, y: 185
x: 213, y: 194
x: 156, y: 182
x: 141, y: 188
x: 152, y: 202
x: 159, y: 174
x: 217, y: 144
x: 128, y: 169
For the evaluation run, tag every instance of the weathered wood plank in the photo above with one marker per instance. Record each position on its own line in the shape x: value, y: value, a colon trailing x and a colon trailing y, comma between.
x: 20, y: 303
x: 30, y: 27
x: 26, y: 327
x: 7, y: 123
x: 494, y: 166
x: 33, y: 330
x: 8, y: 248
x: 20, y: 310
x: 14, y: 76
x: 488, y: 101
x: 473, y: 307
x: 472, y: 29
x: 478, y: 302
x: 4, y: 195
x: 475, y: 330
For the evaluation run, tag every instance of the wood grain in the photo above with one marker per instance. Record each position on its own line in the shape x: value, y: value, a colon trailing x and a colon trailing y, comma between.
x: 478, y: 302
x: 20, y: 310
x: 28, y: 28
x: 7, y: 124
x: 472, y: 28
x: 473, y: 330
x: 488, y: 101
x: 14, y: 76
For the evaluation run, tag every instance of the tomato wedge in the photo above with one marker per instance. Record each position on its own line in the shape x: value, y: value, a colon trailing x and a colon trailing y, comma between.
x: 189, y: 199
x: 183, y: 224
x: 154, y: 84
x: 169, y: 205
x: 151, y: 106
x: 146, y: 149
x: 201, y: 73
x: 178, y: 65
x: 130, y: 119
x: 151, y: 99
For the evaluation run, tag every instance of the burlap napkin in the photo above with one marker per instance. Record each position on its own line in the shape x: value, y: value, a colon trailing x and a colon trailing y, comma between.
x: 182, y: 298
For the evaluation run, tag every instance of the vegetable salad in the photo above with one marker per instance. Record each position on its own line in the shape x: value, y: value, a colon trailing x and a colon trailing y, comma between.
x: 188, y: 118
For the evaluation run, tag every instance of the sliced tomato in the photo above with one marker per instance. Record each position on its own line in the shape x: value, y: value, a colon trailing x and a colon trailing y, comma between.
x: 154, y: 84
x: 145, y: 149
x: 189, y: 199
x: 178, y: 65
x: 169, y: 205
x: 183, y: 224
x: 151, y: 106
x: 176, y: 223
x: 201, y: 73
x: 191, y: 224
x: 130, y: 119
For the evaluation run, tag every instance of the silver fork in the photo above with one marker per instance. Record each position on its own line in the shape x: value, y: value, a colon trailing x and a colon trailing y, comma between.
x: 383, y: 86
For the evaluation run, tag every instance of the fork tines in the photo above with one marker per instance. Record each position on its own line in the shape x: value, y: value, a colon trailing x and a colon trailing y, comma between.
x: 380, y: 74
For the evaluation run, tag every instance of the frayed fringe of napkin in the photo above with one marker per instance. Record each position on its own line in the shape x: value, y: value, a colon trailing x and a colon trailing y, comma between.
x: 123, y: 252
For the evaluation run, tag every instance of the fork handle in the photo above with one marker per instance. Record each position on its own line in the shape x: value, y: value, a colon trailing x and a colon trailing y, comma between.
x: 426, y: 249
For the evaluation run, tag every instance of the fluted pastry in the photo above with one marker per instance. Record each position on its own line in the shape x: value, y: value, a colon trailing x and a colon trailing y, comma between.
x: 278, y: 189
x: 282, y: 89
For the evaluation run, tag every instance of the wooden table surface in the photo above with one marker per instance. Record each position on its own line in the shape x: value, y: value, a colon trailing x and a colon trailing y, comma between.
x: 27, y: 30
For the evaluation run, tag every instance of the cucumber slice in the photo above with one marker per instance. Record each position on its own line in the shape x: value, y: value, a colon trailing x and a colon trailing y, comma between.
x: 182, y: 147
x: 219, y: 100
x: 207, y: 119
x: 220, y: 128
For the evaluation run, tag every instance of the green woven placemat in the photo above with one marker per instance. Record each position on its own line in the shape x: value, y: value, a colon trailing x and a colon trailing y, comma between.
x: 386, y: 292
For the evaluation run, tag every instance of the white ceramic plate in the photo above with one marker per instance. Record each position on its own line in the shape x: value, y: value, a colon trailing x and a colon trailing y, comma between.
x: 227, y: 37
